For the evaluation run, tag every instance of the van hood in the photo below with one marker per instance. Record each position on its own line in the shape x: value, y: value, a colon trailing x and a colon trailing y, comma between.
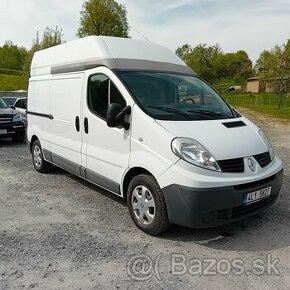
x: 221, y: 141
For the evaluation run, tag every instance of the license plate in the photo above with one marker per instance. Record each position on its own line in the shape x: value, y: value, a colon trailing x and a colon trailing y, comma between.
x: 3, y: 132
x: 257, y: 195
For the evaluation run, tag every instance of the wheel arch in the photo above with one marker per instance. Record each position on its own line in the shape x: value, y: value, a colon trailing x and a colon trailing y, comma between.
x: 130, y: 174
x: 33, y: 139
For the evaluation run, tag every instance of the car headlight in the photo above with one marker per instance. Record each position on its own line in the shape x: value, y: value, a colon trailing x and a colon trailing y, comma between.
x: 267, y: 144
x: 193, y: 152
x: 17, y: 118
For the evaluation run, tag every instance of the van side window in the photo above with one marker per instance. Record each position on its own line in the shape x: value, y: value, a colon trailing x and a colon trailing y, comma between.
x: 98, y: 98
x: 101, y: 93
x: 115, y: 96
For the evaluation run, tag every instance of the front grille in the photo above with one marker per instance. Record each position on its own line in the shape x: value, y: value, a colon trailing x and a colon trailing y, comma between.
x: 5, y: 120
x: 248, y: 209
x: 240, y: 211
x: 222, y: 214
x: 254, y: 183
x: 232, y: 165
x: 237, y: 165
x: 263, y: 159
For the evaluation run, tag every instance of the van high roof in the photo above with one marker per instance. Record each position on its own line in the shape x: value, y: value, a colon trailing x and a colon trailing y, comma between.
x: 113, y: 52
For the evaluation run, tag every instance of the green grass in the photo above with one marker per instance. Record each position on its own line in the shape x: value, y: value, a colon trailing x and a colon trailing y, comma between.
x: 13, y: 82
x: 222, y: 85
x: 272, y: 111
x: 266, y: 103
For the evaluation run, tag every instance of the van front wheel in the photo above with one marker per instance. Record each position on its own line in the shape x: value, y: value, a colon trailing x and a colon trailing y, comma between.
x: 147, y: 205
x: 39, y: 163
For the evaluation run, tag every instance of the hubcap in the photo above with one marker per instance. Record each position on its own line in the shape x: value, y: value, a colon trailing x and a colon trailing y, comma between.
x: 143, y: 205
x: 37, y: 157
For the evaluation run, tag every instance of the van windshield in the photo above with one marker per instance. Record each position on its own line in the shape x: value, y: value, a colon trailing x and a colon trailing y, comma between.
x: 2, y: 104
x: 168, y: 96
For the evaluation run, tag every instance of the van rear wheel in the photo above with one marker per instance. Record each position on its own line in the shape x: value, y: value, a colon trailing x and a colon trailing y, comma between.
x: 39, y: 163
x: 147, y: 205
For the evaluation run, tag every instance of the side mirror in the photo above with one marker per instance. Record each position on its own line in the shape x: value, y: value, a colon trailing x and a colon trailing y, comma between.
x: 116, y: 116
x: 12, y: 107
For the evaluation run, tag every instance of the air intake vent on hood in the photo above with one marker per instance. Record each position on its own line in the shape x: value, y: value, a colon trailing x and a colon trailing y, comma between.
x: 234, y: 124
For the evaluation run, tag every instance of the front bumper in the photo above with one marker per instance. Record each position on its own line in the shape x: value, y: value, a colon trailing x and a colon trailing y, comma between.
x: 12, y: 130
x: 210, y: 207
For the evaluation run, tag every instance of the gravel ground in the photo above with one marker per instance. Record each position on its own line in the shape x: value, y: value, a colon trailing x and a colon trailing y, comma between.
x: 59, y: 232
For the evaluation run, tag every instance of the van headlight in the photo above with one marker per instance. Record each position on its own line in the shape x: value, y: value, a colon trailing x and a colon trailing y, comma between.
x: 17, y: 118
x: 193, y: 152
x: 267, y: 144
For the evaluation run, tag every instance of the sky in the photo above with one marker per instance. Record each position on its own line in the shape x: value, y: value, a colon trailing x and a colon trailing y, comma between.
x: 251, y: 25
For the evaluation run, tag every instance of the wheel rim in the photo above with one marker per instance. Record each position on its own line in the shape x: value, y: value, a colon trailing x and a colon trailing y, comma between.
x: 37, y: 156
x: 143, y: 205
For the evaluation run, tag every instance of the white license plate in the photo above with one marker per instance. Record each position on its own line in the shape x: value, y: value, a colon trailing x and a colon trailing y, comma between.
x: 257, y: 195
x: 3, y: 132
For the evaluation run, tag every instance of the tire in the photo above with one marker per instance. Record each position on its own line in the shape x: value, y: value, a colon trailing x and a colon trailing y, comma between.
x: 19, y: 138
x: 147, y: 205
x: 39, y: 163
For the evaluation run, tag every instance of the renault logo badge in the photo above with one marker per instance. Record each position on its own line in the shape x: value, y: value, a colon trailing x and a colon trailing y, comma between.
x: 252, y: 164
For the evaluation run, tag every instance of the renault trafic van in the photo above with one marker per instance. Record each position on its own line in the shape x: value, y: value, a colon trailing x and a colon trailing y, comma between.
x: 132, y: 118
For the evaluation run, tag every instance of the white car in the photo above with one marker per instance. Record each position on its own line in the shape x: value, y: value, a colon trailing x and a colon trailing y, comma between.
x: 131, y: 117
x: 234, y: 89
x: 20, y: 106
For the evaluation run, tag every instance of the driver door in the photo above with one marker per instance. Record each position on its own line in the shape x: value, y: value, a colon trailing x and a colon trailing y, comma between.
x: 106, y: 150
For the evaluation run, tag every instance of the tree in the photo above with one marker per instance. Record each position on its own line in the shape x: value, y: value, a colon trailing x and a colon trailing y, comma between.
x: 103, y: 17
x: 183, y: 52
x: 236, y: 66
x: 50, y: 38
x: 11, y: 56
x: 213, y: 65
x: 274, y: 66
x: 199, y: 58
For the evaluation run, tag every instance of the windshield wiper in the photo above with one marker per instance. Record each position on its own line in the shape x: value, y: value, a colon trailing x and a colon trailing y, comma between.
x: 172, y: 110
x: 210, y: 113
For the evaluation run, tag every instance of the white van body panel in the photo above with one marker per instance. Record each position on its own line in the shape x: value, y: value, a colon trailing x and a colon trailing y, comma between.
x: 40, y: 127
x: 140, y: 50
x: 92, y: 51
x: 150, y: 147
x: 65, y: 106
x: 69, y: 53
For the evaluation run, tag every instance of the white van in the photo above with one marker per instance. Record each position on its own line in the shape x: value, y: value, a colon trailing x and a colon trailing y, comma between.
x: 132, y: 118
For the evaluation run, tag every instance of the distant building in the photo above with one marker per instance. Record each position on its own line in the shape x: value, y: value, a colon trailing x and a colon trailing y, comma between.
x: 256, y: 85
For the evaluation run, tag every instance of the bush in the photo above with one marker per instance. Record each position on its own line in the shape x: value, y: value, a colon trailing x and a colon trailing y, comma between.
x: 7, y: 71
x: 13, y: 82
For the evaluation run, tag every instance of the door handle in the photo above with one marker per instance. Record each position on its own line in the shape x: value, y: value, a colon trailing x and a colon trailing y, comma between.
x: 77, y: 123
x: 86, y: 125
